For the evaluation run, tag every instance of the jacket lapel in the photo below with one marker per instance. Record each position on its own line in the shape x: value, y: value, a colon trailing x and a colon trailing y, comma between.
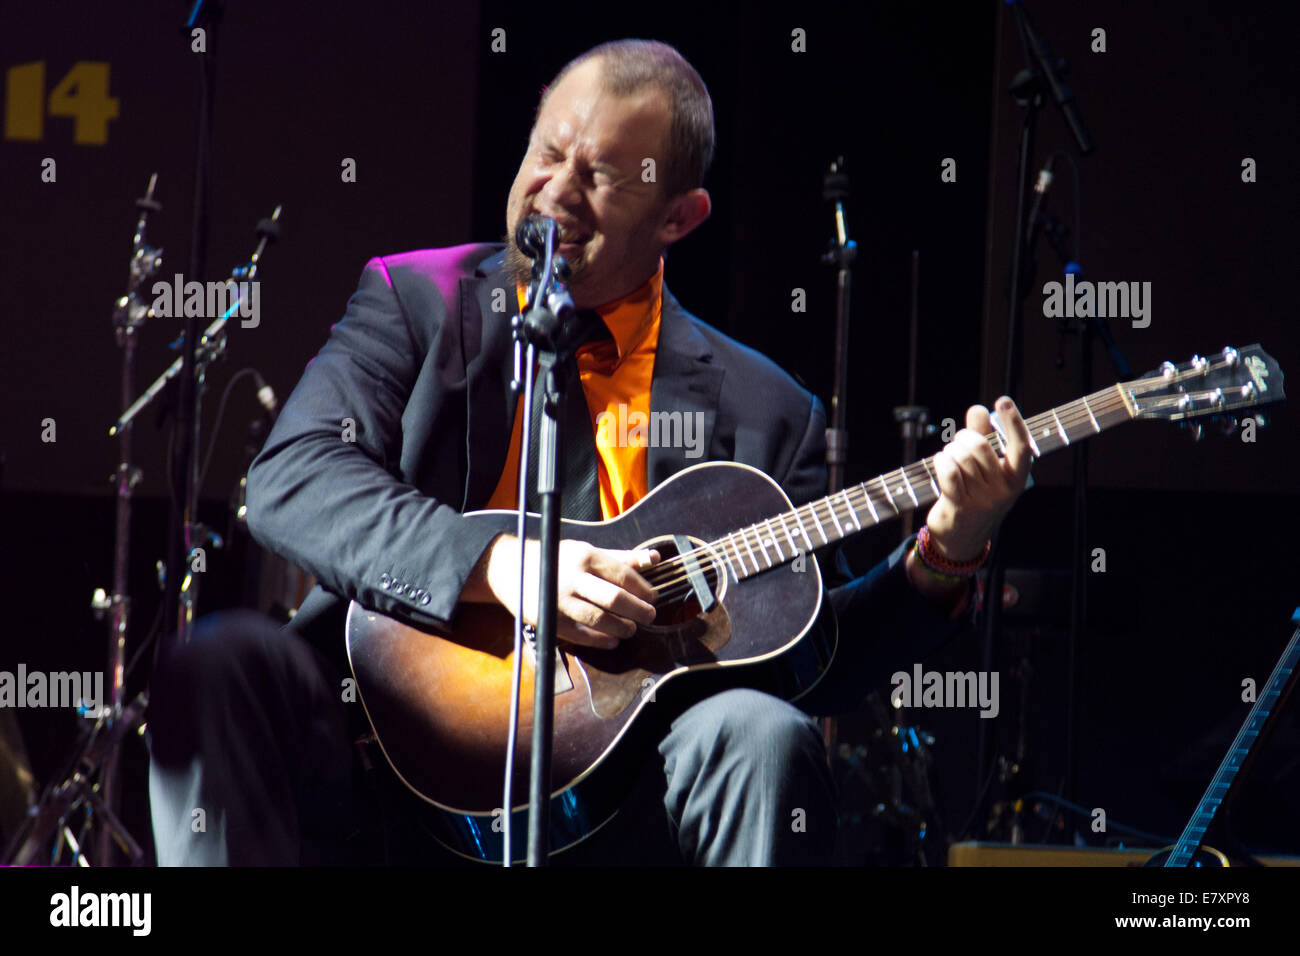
x: 490, y: 411
x: 685, y: 380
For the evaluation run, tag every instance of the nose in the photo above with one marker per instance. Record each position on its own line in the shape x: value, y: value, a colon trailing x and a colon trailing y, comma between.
x: 561, y: 190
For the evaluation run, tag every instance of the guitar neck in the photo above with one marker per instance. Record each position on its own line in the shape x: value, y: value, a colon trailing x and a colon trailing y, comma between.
x: 823, y: 522
x: 1185, y: 848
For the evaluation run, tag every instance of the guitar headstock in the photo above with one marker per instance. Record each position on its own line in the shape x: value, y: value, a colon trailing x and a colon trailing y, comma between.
x: 1232, y: 381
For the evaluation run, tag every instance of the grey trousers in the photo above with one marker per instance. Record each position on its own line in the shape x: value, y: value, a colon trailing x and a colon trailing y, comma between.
x: 253, y: 763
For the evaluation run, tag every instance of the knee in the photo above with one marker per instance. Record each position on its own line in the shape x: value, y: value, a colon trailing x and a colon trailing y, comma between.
x: 230, y: 657
x: 224, y: 642
x: 751, y: 722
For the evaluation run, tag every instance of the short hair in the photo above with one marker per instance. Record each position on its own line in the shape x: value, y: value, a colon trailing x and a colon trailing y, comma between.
x: 628, y: 66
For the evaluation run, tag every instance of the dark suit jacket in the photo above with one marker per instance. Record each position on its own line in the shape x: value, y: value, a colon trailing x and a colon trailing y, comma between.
x: 401, y: 423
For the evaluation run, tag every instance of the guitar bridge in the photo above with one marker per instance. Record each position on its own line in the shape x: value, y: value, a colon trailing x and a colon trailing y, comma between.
x: 562, y: 681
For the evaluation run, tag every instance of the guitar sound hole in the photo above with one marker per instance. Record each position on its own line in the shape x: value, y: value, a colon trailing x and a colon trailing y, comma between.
x: 677, y: 604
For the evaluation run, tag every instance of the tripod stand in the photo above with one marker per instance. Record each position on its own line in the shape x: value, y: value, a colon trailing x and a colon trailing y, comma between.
x: 90, y: 782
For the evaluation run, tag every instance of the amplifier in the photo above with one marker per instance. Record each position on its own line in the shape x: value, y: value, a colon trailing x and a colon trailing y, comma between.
x: 1024, y: 854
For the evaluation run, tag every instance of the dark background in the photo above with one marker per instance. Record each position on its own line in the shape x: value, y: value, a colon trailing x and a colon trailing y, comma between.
x: 1200, y: 538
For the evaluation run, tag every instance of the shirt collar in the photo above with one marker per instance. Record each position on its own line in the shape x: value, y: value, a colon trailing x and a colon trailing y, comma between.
x: 630, y: 317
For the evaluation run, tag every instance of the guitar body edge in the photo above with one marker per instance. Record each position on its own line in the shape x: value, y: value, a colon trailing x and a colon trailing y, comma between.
x: 435, y: 701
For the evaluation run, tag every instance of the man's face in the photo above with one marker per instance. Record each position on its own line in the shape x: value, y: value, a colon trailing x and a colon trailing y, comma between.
x: 583, y: 169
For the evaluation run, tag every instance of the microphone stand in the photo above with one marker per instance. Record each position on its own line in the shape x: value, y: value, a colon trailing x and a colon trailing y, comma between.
x: 841, y: 254
x: 549, y: 306
x: 178, y: 606
x: 1087, y: 329
x: 912, y: 418
x: 1043, y: 75
x: 129, y: 316
x: 91, y: 775
x: 88, y: 783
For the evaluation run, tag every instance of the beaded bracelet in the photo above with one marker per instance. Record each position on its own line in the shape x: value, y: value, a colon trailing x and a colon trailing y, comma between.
x: 951, y: 572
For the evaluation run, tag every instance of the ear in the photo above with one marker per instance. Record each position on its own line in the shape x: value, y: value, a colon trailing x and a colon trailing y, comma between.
x: 684, y: 213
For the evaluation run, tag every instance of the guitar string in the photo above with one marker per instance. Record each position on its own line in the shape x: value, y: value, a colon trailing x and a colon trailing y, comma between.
x: 920, y: 470
x: 917, y: 470
x: 1075, y: 413
x: 1068, y: 416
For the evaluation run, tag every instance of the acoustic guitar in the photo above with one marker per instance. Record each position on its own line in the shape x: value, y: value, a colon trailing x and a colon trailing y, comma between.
x: 740, y: 603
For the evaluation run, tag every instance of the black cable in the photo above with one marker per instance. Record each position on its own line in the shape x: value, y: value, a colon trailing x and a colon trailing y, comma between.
x: 216, y: 425
x: 1110, y: 824
x: 979, y: 800
x: 149, y: 639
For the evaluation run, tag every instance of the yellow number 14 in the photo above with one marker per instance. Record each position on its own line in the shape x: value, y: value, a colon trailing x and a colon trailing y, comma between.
x: 82, y: 96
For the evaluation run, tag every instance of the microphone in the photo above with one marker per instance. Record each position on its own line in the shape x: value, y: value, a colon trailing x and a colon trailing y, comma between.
x: 532, y: 233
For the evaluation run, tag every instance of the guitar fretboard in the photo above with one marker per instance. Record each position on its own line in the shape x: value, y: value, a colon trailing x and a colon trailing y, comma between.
x: 1194, y: 833
x: 783, y: 537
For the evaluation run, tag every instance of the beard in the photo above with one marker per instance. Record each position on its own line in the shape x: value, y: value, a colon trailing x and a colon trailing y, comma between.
x: 521, y: 267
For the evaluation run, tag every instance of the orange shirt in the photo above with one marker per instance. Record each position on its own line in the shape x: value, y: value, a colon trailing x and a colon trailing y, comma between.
x: 616, y: 377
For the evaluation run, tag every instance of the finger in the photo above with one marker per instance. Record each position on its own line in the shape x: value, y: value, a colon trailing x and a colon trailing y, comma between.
x: 1017, y: 450
x: 645, y: 558
x: 975, y: 456
x: 617, y: 567
x: 576, y: 633
x: 583, y: 612
x: 952, y: 483
x: 611, y: 597
x: 978, y: 421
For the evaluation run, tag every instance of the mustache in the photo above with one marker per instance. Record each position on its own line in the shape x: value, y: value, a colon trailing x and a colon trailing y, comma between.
x: 521, y: 266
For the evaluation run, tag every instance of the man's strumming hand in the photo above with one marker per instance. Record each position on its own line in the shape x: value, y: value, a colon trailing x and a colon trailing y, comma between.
x: 602, y: 598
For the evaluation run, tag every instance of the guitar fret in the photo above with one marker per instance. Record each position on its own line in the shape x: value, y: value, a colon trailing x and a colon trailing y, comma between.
x: 1128, y: 402
x: 776, y: 542
x: 1060, y: 428
x: 820, y: 529
x: 1223, y: 778
x: 1091, y: 416
x: 794, y: 547
x: 866, y: 493
x: 758, y: 537
x: 834, y: 517
x: 1056, y: 428
x: 908, y: 483
x: 802, y: 530
x: 726, y: 557
x: 750, y: 550
x: 889, y: 497
x: 737, y: 555
x: 933, y: 484
x: 852, y: 510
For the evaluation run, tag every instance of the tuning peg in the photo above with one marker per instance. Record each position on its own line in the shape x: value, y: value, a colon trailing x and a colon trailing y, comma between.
x: 1197, y: 430
x: 1260, y: 420
x: 1228, y: 423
